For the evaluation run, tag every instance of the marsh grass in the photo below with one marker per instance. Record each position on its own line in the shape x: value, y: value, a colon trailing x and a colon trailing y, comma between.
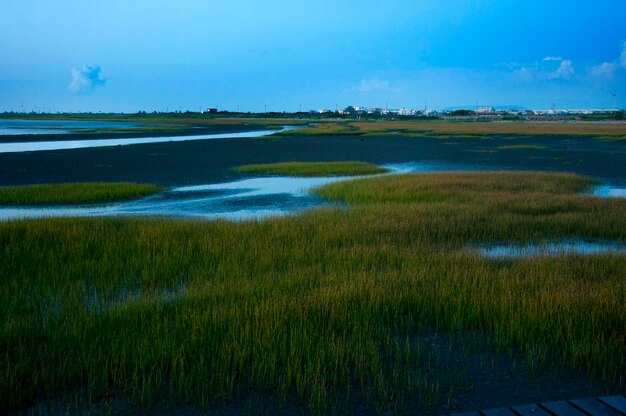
x: 74, y: 193
x: 328, y: 306
x: 313, y: 169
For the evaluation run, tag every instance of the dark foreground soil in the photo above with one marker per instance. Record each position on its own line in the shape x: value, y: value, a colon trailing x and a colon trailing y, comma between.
x: 210, y: 161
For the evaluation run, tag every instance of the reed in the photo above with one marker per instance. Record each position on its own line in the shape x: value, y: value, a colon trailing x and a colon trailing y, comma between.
x: 325, y: 308
x: 313, y: 169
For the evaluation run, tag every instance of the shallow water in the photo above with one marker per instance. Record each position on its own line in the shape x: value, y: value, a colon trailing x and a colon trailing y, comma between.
x: 20, y: 127
x: 607, y: 191
x: 552, y: 249
x: 80, y: 144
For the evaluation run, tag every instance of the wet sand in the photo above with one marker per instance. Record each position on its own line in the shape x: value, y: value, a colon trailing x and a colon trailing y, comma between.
x: 211, y: 161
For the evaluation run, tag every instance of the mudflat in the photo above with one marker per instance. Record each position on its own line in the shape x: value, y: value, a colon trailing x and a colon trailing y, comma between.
x: 211, y: 161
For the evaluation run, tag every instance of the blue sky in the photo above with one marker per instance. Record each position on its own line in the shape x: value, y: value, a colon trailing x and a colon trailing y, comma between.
x: 120, y: 55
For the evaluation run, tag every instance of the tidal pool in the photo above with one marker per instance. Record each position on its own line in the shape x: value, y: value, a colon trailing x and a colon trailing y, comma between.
x: 555, y: 248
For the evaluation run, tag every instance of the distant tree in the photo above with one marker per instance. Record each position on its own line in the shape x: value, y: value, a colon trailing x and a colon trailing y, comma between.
x: 462, y: 113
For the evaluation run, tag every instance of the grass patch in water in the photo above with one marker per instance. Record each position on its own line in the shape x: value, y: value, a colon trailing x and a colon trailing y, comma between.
x: 318, y: 307
x: 75, y: 193
x: 522, y: 147
x: 313, y: 169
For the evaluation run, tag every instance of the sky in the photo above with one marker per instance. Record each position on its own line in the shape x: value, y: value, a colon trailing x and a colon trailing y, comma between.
x: 247, y: 55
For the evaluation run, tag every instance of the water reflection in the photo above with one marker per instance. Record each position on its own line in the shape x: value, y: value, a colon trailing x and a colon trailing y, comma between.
x: 552, y: 249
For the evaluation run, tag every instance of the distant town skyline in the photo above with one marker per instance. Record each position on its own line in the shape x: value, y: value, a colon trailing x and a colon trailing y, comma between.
x: 119, y: 56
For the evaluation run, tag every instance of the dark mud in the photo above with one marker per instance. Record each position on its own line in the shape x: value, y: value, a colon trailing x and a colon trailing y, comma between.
x: 211, y: 161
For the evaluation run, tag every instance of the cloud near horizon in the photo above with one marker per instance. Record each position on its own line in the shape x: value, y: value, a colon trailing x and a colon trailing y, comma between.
x: 86, y: 78
x: 604, y: 70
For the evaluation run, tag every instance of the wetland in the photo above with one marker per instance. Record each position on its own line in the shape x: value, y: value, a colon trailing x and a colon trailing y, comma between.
x: 373, y: 302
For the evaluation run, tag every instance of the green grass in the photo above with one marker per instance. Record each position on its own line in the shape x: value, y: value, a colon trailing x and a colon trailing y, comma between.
x: 74, y: 193
x: 313, y: 169
x: 522, y: 147
x: 327, y: 307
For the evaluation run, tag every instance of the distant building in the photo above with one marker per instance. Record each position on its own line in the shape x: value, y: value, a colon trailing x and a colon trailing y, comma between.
x: 485, y: 110
x: 407, y: 112
x: 211, y: 110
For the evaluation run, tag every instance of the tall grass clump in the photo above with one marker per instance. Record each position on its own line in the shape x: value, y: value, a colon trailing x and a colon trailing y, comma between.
x: 327, y: 309
x: 313, y: 169
x: 74, y: 193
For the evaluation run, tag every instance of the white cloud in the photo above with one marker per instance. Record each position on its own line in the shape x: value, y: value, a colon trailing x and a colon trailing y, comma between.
x: 85, y: 78
x: 549, y: 68
x: 565, y: 70
x: 604, y: 70
x: 623, y: 56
